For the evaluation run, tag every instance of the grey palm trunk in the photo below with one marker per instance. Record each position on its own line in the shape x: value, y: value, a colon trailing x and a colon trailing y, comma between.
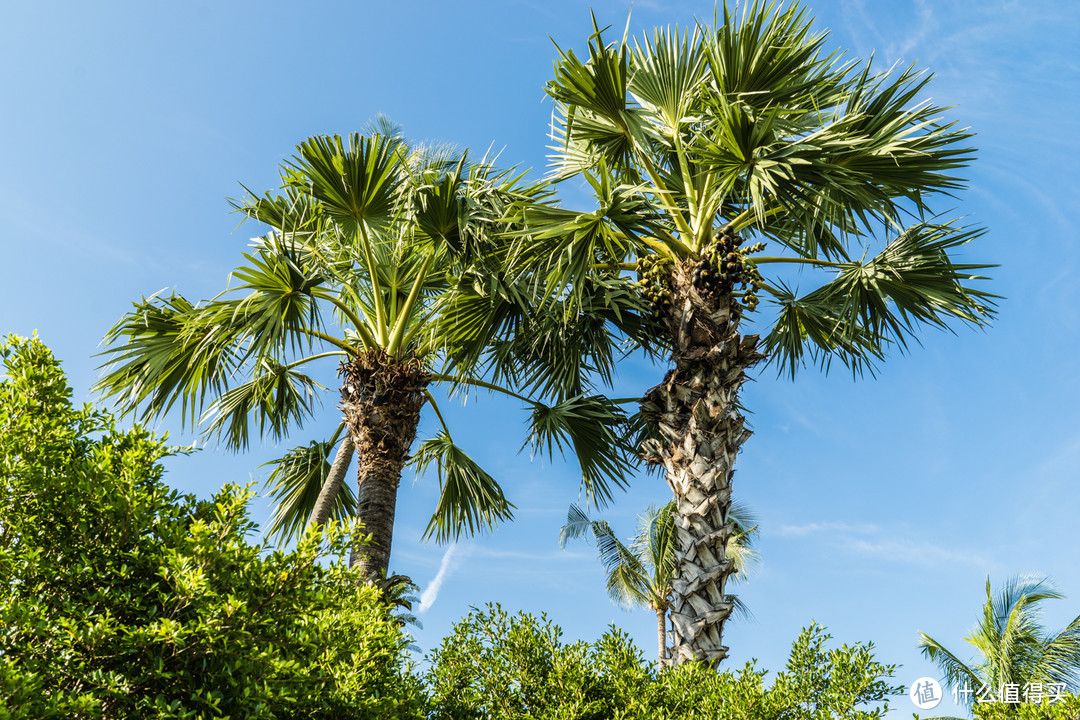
x: 381, y: 400
x: 661, y: 636
x: 324, y: 505
x: 696, y: 413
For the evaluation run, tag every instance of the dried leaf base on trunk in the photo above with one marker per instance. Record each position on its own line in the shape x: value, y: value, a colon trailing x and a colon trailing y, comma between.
x: 381, y: 399
x: 696, y: 413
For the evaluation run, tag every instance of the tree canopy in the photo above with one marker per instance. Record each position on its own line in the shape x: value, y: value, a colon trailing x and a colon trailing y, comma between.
x: 121, y: 598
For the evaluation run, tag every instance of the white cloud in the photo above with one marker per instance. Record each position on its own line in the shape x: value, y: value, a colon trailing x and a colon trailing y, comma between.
x: 918, y: 552
x: 553, y: 555
x: 887, y: 544
x: 827, y: 527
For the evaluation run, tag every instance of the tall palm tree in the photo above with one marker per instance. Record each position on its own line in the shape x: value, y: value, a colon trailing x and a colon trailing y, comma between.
x: 371, y: 245
x: 641, y: 573
x: 701, y: 148
x: 1012, y: 645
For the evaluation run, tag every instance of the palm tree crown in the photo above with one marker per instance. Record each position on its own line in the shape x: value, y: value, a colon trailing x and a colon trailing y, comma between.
x: 702, y: 149
x: 373, y: 249
x: 1013, y: 646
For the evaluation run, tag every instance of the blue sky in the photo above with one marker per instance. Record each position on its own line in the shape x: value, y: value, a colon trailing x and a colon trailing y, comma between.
x: 884, y: 503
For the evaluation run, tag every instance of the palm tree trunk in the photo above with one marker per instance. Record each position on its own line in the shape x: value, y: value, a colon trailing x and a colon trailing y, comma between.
x: 661, y: 636
x: 332, y: 485
x: 696, y: 413
x: 382, y: 399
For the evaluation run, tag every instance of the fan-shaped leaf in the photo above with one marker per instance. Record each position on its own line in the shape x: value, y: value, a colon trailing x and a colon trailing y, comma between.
x: 470, y: 499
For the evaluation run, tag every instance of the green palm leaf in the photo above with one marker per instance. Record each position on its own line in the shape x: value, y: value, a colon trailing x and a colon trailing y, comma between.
x: 280, y: 312
x: 809, y: 328
x: 355, y: 184
x: 294, y: 485
x: 470, y: 499
x: 628, y: 580
x: 165, y: 350
x: 590, y: 425
x: 911, y: 281
x: 1012, y: 645
x: 277, y: 398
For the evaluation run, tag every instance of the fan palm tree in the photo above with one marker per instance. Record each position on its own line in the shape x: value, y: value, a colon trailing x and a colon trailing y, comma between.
x: 641, y: 573
x: 701, y: 148
x: 371, y: 244
x: 1012, y: 646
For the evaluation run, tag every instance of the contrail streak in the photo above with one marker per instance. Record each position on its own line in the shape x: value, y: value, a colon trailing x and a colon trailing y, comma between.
x: 447, y: 566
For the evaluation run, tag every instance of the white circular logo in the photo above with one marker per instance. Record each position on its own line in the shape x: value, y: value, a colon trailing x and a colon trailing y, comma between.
x: 925, y: 693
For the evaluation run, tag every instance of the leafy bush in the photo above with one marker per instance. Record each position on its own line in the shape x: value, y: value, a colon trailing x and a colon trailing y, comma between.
x: 499, y: 666
x: 1067, y: 709
x: 120, y: 598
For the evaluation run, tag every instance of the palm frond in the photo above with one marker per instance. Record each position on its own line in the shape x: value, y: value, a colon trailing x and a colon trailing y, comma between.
x: 578, y: 524
x: 276, y: 397
x: 167, y: 349
x: 1059, y: 657
x: 280, y: 313
x: 594, y: 91
x: 809, y: 328
x: 590, y: 426
x: 655, y: 541
x: 384, y: 126
x: 1012, y: 645
x: 355, y: 184
x: 470, y: 500
x: 770, y: 57
x: 294, y: 485
x: 739, y: 609
x: 954, y: 671
x: 439, y: 210
x: 668, y: 72
x: 628, y: 580
x: 912, y: 281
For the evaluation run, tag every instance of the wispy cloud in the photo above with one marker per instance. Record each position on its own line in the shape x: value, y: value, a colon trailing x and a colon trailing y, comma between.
x: 451, y: 560
x: 826, y: 527
x: 552, y: 555
x: 919, y: 552
x: 885, y: 544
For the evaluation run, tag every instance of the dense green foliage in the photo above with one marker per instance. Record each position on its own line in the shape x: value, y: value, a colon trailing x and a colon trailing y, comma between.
x: 1067, y: 709
x: 120, y: 598
x: 494, y: 665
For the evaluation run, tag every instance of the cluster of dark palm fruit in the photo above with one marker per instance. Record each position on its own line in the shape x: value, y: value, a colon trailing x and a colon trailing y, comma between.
x: 724, y: 266
x: 654, y: 272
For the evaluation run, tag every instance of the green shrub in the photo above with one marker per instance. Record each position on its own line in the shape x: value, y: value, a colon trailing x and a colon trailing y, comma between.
x: 1067, y: 709
x: 120, y: 598
x: 498, y: 666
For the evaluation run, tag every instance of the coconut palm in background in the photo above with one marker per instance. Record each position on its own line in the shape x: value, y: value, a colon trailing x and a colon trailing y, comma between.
x: 641, y: 573
x: 1012, y: 645
x: 371, y: 244
x: 704, y: 147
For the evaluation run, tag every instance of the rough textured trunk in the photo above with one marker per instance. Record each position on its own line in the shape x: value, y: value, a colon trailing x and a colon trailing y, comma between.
x: 332, y: 485
x: 382, y: 399
x: 696, y: 414
x: 661, y: 636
